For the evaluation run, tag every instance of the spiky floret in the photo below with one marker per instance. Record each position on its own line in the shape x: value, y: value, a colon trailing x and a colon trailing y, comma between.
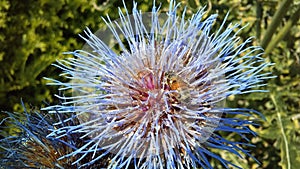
x: 159, y: 103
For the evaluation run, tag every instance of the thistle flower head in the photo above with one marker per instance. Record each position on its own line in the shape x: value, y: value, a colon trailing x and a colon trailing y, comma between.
x: 24, y: 142
x: 159, y: 101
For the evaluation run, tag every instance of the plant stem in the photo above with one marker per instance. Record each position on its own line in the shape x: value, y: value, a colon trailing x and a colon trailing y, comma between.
x: 283, y: 9
x: 292, y: 21
x: 278, y: 110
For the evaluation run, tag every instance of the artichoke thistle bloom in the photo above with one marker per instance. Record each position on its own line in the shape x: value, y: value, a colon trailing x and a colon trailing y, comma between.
x: 24, y: 142
x: 156, y: 98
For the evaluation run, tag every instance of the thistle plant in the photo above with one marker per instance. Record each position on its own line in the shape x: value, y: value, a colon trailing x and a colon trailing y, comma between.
x: 154, y: 94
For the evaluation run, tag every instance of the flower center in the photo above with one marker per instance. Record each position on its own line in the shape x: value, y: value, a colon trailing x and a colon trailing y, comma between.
x: 156, y: 93
x: 155, y: 99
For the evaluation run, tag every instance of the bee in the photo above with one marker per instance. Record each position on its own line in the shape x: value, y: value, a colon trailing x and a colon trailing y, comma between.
x: 181, y: 88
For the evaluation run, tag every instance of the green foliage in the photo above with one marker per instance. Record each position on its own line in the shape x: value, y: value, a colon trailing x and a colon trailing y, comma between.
x: 278, y: 144
x: 33, y: 34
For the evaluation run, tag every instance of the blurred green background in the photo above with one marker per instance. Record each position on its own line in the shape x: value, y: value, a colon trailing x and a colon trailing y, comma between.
x: 33, y: 34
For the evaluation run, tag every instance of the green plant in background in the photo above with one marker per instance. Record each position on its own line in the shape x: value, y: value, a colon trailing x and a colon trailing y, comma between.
x: 277, y: 30
x: 282, y: 43
x: 33, y: 34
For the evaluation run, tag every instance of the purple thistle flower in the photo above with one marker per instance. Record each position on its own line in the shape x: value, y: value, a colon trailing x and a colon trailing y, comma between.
x: 160, y: 102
